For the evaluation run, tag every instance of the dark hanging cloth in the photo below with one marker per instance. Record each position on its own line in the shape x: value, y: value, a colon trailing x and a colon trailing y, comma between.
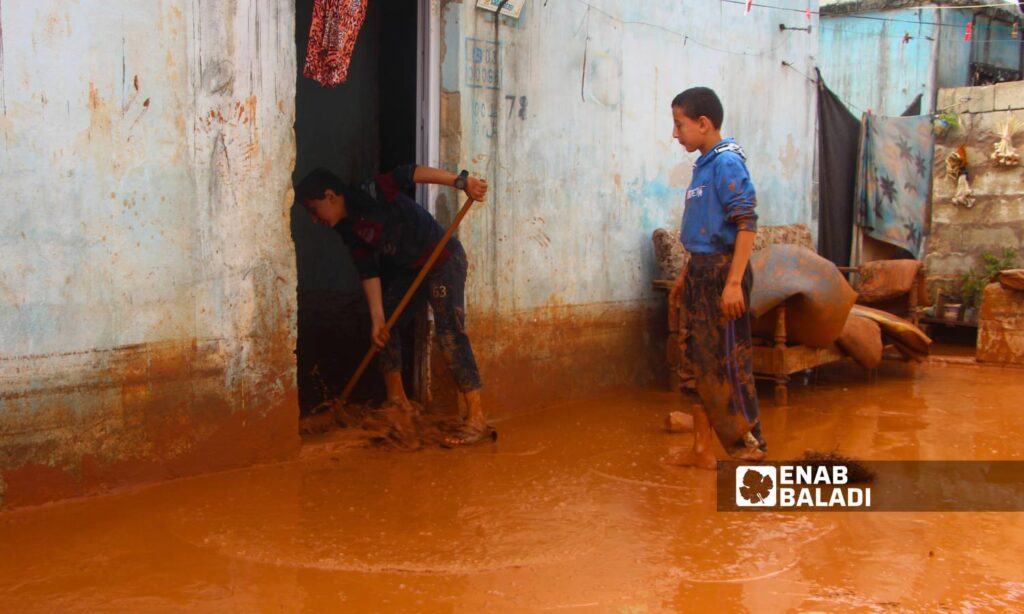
x: 914, y: 108
x: 332, y: 37
x: 838, y: 137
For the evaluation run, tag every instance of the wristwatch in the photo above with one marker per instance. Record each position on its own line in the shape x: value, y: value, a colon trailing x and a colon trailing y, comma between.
x: 460, y: 181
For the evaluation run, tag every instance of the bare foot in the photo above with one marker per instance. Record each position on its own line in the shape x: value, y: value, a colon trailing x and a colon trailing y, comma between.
x: 404, y: 405
x: 754, y: 455
x: 690, y: 458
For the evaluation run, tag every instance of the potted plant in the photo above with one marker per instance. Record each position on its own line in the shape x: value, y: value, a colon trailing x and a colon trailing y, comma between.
x: 995, y: 265
x: 949, y: 302
x: 971, y: 287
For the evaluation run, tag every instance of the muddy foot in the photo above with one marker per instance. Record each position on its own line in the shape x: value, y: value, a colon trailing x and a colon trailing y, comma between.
x: 469, y: 435
x: 400, y: 420
x: 753, y: 455
x: 317, y: 423
x: 690, y: 458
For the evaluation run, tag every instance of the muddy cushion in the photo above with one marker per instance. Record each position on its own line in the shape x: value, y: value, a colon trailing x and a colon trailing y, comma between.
x: 882, y: 280
x: 1012, y: 279
x: 817, y: 296
x: 907, y: 338
x: 861, y: 339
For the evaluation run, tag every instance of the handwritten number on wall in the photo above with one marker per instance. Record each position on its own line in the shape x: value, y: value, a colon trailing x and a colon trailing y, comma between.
x: 512, y: 106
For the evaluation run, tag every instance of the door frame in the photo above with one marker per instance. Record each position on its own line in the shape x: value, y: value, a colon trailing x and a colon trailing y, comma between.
x: 428, y: 151
x: 428, y: 92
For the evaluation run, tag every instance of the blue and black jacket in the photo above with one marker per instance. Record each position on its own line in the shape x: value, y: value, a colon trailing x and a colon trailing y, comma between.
x: 719, y: 202
x: 387, y: 232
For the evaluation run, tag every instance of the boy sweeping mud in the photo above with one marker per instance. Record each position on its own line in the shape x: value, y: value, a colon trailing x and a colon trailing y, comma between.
x: 718, y: 231
x: 390, y: 236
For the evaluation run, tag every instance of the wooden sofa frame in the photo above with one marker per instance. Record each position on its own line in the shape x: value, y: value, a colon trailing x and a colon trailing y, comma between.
x: 775, y: 359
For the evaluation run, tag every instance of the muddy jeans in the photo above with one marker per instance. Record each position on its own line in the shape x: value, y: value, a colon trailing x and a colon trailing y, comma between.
x: 719, y: 352
x: 444, y: 288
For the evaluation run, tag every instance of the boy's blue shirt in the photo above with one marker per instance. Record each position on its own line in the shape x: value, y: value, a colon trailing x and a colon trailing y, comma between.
x: 719, y: 202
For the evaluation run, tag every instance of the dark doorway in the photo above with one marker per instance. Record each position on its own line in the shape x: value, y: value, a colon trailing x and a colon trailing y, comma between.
x: 357, y: 129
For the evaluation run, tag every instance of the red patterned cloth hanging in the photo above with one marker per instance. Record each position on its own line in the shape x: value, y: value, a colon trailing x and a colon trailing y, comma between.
x: 332, y: 37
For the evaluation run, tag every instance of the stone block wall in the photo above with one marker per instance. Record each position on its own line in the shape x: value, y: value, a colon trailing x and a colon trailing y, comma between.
x: 960, y: 236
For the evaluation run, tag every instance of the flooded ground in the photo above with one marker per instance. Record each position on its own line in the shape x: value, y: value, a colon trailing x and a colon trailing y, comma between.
x: 570, y: 511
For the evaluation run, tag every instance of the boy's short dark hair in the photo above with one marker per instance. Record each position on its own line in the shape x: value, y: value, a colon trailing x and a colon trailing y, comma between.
x: 316, y: 184
x: 700, y: 101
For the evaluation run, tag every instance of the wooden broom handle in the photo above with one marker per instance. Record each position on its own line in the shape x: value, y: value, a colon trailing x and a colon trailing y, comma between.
x: 434, y: 255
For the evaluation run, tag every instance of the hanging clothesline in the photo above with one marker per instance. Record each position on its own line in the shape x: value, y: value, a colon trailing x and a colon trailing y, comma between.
x: 872, y: 18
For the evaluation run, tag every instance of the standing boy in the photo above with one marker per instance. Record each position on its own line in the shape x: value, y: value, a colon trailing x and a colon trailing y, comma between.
x: 390, y: 237
x: 718, y: 231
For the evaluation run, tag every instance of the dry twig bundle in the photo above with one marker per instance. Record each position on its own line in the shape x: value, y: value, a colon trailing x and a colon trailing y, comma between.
x: 1004, y: 154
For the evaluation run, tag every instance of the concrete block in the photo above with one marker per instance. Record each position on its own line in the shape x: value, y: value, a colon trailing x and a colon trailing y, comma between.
x: 943, y: 189
x: 951, y: 265
x: 961, y: 96
x: 987, y: 210
x: 944, y: 239
x: 1001, y: 326
x: 995, y: 180
x: 1009, y: 95
x: 989, y: 238
x: 946, y: 98
x: 982, y: 99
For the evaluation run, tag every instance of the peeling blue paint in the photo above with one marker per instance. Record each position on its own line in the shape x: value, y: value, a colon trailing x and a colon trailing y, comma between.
x: 660, y: 204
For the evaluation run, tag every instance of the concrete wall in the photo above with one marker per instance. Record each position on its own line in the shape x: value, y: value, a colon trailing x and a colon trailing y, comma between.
x: 960, y: 236
x: 568, y: 115
x: 868, y: 64
x: 147, y: 292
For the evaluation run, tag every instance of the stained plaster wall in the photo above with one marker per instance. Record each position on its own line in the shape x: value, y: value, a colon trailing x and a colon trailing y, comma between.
x: 866, y: 60
x: 960, y: 236
x: 568, y: 116
x: 881, y: 59
x: 147, y: 291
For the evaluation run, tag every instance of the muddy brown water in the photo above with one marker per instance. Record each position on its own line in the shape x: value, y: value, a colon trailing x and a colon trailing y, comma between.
x: 570, y: 511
